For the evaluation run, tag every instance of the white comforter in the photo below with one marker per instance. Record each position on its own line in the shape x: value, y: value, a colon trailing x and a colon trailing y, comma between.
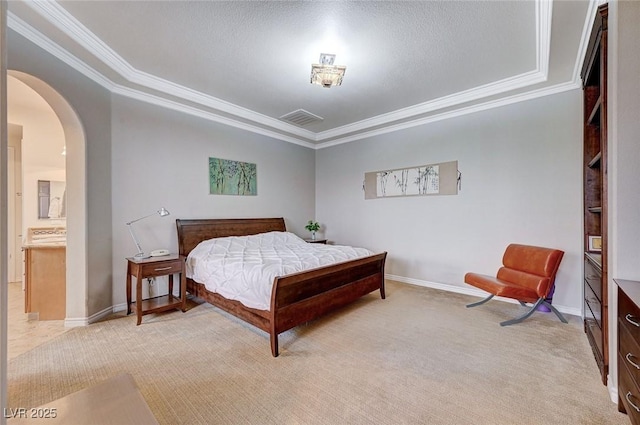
x: 242, y: 268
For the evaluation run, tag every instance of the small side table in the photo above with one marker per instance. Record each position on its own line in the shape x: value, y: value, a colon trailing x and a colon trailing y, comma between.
x: 323, y: 241
x: 167, y: 265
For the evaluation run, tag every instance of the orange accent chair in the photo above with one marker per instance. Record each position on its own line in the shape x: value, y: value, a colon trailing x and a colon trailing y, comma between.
x: 527, y: 275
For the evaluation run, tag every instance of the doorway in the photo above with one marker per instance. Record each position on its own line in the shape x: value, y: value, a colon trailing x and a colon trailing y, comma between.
x: 15, y: 262
x: 74, y: 172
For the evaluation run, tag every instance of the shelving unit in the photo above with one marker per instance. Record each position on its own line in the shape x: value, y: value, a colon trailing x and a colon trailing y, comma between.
x: 595, y: 162
x: 594, y: 83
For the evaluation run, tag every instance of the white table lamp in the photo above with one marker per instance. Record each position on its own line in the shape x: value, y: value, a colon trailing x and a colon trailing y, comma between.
x: 140, y: 255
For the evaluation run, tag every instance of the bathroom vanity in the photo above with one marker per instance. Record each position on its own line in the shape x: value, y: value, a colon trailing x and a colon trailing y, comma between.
x: 45, y: 273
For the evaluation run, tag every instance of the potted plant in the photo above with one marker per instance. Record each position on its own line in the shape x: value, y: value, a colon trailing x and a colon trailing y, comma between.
x: 313, y: 227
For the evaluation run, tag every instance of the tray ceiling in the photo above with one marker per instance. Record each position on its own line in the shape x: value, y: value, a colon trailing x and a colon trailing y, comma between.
x: 247, y: 64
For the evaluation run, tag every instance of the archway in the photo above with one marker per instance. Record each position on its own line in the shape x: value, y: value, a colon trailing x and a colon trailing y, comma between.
x: 76, y: 257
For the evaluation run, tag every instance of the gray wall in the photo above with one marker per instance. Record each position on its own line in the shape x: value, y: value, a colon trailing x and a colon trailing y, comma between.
x: 624, y: 156
x: 625, y: 143
x: 141, y: 157
x: 520, y: 164
x: 521, y: 183
x: 92, y: 104
x: 160, y: 159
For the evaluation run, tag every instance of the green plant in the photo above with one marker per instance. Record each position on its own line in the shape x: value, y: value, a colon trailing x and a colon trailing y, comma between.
x: 312, y: 226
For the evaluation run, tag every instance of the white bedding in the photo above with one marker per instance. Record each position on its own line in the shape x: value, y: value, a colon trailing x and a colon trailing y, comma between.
x: 242, y: 268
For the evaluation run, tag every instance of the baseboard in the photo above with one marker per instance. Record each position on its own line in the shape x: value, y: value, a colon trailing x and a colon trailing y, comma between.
x: 81, y: 321
x: 72, y: 322
x: 470, y: 291
x: 119, y: 307
x: 613, y: 391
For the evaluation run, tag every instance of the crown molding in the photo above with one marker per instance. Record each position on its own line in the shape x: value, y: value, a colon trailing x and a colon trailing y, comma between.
x: 36, y: 37
x: 498, y: 87
x: 544, y: 17
x: 584, y: 39
x: 198, y: 112
x: 68, y: 24
x: 547, y: 91
x: 543, y: 12
x: 185, y: 97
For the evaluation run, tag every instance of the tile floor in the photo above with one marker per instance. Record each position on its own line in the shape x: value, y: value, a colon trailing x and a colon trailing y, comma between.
x: 23, y: 334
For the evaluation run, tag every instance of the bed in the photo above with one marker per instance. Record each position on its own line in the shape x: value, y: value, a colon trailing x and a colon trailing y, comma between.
x: 295, y: 298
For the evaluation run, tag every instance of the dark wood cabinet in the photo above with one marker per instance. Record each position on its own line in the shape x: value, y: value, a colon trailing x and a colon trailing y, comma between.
x: 629, y: 348
x: 594, y: 83
x: 593, y: 308
x: 322, y: 241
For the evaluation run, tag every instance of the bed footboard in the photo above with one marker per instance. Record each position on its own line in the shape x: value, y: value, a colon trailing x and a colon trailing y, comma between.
x: 301, y: 297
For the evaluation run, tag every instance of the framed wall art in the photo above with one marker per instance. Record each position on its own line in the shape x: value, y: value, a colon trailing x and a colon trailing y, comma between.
x: 595, y: 244
x: 227, y: 177
x: 432, y: 179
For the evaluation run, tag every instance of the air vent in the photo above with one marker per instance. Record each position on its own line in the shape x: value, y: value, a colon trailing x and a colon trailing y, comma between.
x: 301, y: 118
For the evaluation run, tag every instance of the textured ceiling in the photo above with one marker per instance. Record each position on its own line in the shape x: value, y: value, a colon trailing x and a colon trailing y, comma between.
x: 248, y: 63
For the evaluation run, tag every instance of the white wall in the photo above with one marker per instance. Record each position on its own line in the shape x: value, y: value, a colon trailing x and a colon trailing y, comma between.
x: 160, y: 159
x: 521, y: 183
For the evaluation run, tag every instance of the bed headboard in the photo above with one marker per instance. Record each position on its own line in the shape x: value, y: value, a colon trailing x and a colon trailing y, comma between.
x: 192, y: 232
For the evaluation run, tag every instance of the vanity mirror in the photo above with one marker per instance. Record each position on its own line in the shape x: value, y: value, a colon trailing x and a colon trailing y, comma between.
x: 51, y: 199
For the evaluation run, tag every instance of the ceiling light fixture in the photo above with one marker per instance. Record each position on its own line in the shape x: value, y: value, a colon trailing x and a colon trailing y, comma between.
x: 325, y: 73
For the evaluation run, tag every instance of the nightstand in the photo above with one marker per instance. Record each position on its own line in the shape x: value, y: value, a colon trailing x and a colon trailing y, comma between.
x: 167, y: 265
x: 323, y: 241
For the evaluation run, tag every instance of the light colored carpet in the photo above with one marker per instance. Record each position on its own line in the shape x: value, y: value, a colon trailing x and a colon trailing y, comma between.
x: 418, y: 357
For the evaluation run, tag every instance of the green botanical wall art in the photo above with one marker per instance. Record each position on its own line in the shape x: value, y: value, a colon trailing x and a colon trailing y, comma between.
x: 227, y: 177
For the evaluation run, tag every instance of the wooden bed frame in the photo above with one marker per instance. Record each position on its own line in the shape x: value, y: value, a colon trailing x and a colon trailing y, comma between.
x: 296, y: 298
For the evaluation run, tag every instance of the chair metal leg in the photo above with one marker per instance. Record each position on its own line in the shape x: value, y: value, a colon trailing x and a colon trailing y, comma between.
x: 480, y: 302
x: 552, y: 308
x: 524, y: 316
x: 532, y: 310
x: 541, y: 301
